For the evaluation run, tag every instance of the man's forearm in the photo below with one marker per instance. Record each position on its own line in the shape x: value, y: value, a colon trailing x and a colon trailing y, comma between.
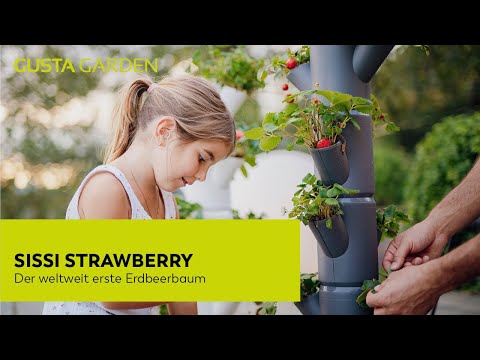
x: 459, y: 265
x: 460, y: 207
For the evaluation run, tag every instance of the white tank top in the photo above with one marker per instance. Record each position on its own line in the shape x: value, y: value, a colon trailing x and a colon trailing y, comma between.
x: 138, y: 212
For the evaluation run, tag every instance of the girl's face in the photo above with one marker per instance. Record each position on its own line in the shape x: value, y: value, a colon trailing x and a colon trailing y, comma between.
x: 181, y: 164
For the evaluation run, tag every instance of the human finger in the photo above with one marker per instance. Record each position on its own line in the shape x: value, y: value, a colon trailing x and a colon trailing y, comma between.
x: 417, y: 261
x: 373, y: 299
x: 390, y: 252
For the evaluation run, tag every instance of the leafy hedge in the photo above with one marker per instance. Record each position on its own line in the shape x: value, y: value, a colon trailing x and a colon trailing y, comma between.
x: 391, y: 164
x: 441, y: 161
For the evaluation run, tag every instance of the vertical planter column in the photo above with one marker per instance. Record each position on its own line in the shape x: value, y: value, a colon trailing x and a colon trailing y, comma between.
x: 331, y: 67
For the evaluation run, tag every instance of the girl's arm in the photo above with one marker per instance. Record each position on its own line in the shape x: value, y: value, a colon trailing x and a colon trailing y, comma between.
x: 104, y: 197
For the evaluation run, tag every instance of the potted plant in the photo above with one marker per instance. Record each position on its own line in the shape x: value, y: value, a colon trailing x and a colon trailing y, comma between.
x: 233, y: 69
x: 388, y: 222
x: 295, y: 65
x: 311, y: 123
x: 317, y: 205
x: 309, y: 303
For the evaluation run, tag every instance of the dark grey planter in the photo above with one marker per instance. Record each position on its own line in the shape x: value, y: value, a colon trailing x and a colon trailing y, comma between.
x: 379, y: 235
x: 300, y: 77
x: 332, y: 164
x: 334, y: 241
x: 309, y: 305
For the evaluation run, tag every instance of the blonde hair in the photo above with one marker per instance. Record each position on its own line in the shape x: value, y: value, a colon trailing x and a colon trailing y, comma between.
x: 194, y: 103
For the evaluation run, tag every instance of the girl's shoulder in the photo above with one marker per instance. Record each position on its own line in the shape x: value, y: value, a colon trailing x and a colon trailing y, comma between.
x: 103, y: 196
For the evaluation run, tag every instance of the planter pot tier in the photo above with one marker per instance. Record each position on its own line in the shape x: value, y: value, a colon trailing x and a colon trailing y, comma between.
x: 309, y: 305
x: 332, y: 164
x: 334, y: 241
x: 300, y: 77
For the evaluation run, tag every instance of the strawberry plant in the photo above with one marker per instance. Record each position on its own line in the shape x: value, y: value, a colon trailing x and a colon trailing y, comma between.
x: 314, y: 201
x: 389, y: 219
x: 229, y: 65
x: 369, y: 285
x: 281, y: 65
x: 309, y: 284
x: 245, y: 148
x: 382, y: 118
x: 310, y: 122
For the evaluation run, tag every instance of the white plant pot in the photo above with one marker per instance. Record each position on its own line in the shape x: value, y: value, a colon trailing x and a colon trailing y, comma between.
x: 214, y: 196
x: 232, y: 98
x: 222, y: 173
x: 217, y: 308
x: 214, y: 193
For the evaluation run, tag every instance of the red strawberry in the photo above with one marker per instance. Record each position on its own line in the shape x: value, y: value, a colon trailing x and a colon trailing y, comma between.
x: 323, y: 143
x: 239, y: 134
x: 291, y: 63
x: 382, y: 116
x: 285, y: 87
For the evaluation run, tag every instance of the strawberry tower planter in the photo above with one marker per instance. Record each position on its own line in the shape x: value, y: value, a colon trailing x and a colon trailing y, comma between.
x: 347, y: 69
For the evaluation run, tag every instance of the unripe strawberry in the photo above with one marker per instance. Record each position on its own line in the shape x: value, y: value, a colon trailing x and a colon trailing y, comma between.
x: 291, y: 101
x: 291, y: 63
x: 285, y: 87
x: 323, y: 143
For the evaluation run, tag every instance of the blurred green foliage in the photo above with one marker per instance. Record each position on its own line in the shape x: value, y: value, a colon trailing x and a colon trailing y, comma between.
x: 229, y: 65
x: 417, y: 89
x: 441, y: 161
x: 391, y: 164
x: 189, y: 210
x: 36, y: 146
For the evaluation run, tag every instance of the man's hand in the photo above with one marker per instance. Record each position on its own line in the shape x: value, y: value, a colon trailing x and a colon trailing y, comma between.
x: 414, y: 246
x: 412, y: 290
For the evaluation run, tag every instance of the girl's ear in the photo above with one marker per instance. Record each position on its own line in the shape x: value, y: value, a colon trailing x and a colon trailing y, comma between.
x: 164, y: 130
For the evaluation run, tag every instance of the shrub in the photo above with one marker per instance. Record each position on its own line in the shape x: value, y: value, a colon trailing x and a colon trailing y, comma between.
x: 441, y: 161
x: 391, y: 166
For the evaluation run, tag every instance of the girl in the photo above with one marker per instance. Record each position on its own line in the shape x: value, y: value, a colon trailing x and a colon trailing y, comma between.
x: 167, y: 135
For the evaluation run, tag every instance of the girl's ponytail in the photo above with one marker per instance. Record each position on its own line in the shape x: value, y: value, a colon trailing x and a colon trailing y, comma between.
x: 194, y: 103
x: 126, y: 118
